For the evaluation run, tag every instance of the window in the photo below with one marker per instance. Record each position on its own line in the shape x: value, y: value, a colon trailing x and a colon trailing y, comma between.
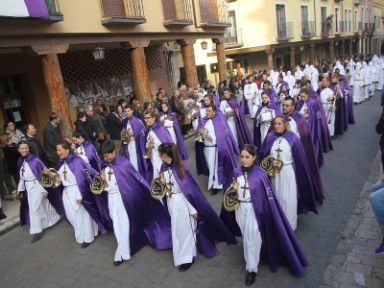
x: 337, y: 28
x: 304, y: 21
x: 232, y: 31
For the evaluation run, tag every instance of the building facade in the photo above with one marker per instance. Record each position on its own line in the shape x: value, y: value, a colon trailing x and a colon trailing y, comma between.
x: 56, y: 55
x: 266, y: 34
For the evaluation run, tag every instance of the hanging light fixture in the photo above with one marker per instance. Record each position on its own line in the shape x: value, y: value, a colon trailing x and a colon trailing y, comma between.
x: 204, y: 45
x: 98, y: 53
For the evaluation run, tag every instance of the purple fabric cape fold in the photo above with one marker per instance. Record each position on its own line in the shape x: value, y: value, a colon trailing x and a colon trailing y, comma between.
x: 226, y: 147
x: 280, y: 246
x: 305, y: 186
x: 83, y: 174
x: 339, y: 113
x: 54, y: 194
x: 256, y: 129
x: 179, y: 136
x: 149, y: 220
x: 37, y: 8
x: 273, y: 96
x: 164, y: 137
x: 93, y: 157
x: 138, y: 130
x: 210, y: 229
x: 349, y: 115
x: 315, y: 127
x: 216, y: 100
x: 244, y: 106
x: 243, y: 133
x: 306, y: 141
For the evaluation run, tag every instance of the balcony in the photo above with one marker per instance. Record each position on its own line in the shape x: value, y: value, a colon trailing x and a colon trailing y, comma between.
x: 340, y: 28
x: 54, y: 11
x: 122, y: 12
x: 369, y: 27
x: 177, y: 13
x: 284, y: 31
x: 307, y: 29
x: 357, y: 2
x: 213, y: 14
x: 326, y: 29
x: 233, y: 39
x: 358, y: 27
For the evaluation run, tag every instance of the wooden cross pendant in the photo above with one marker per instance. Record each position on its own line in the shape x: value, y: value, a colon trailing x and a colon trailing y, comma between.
x: 22, y: 170
x: 245, y: 188
x: 110, y: 173
x: 65, y: 172
x: 278, y: 150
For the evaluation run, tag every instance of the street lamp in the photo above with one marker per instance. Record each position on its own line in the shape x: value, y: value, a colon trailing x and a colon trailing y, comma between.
x: 204, y: 45
x: 98, y: 53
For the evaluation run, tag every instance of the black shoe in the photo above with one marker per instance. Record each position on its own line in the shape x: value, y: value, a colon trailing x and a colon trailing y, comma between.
x: 213, y: 191
x: 2, y: 215
x: 118, y: 263
x: 251, y: 276
x: 185, y: 267
x: 36, y: 237
x: 85, y: 245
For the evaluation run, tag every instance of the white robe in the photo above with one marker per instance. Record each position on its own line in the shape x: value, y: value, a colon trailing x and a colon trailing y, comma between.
x: 330, y: 111
x: 211, y: 156
x: 246, y: 219
x: 171, y: 129
x: 80, y: 151
x: 293, y: 126
x: 264, y: 126
x: 132, y: 148
x: 41, y: 213
x: 225, y: 108
x: 358, y: 85
x: 284, y: 182
x: 119, y: 216
x: 183, y: 225
x: 155, y: 158
x: 85, y: 227
x: 251, y: 94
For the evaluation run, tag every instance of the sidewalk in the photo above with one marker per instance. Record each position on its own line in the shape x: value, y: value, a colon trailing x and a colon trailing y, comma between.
x: 11, y: 209
x: 355, y: 263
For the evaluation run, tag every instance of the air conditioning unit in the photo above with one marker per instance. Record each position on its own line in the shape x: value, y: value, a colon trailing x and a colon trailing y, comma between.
x: 357, y: 2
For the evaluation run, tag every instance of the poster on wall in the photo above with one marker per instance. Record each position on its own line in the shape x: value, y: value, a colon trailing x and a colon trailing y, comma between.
x: 109, y: 90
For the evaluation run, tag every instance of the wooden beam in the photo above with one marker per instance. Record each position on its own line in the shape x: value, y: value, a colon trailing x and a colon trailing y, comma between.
x: 140, y: 75
x: 221, y: 61
x: 55, y: 87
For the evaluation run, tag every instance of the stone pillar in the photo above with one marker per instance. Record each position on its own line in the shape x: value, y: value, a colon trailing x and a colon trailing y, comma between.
x: 55, y: 87
x: 188, y: 54
x: 350, y: 48
x: 231, y: 68
x: 331, y: 51
x: 312, y: 53
x: 342, y: 48
x: 238, y: 67
x: 270, y: 58
x: 222, y: 65
x: 292, y: 58
x: 140, y: 76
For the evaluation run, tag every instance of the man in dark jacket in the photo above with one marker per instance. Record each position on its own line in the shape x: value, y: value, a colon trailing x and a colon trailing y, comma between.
x: 35, y: 147
x: 52, y: 136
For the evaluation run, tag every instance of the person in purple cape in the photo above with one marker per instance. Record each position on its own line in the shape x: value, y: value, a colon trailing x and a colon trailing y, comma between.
x: 267, y: 87
x: 40, y: 207
x: 293, y: 184
x: 80, y: 206
x: 300, y: 127
x: 263, y: 118
x: 346, y: 89
x: 260, y: 220
x: 138, y: 219
x: 235, y: 119
x: 309, y: 108
x: 339, y: 105
x: 134, y: 148
x: 173, y: 127
x: 218, y: 157
x: 155, y: 135
x: 195, y: 225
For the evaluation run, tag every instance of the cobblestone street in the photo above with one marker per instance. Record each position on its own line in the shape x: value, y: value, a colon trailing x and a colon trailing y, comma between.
x: 339, y: 241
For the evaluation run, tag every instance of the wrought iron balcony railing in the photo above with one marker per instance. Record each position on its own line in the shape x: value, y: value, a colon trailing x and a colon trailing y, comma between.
x: 213, y: 14
x: 177, y: 12
x: 233, y: 39
x: 122, y: 12
x: 284, y: 31
x: 326, y: 28
x: 307, y: 29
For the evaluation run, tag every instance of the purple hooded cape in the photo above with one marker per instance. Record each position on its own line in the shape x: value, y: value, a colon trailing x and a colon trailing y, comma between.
x: 137, y: 129
x: 210, y: 229
x: 226, y: 147
x: 349, y: 115
x: 54, y: 195
x: 256, y: 129
x: 164, y: 137
x: 272, y: 96
x: 93, y: 157
x: 83, y: 174
x: 149, y: 221
x: 179, y: 135
x: 306, y: 140
x: 243, y: 106
x: 279, y: 243
x: 243, y: 133
x: 315, y: 125
x: 305, y: 186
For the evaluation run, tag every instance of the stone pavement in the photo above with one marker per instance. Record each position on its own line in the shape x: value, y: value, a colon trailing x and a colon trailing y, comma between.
x: 355, y: 264
x: 57, y: 261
